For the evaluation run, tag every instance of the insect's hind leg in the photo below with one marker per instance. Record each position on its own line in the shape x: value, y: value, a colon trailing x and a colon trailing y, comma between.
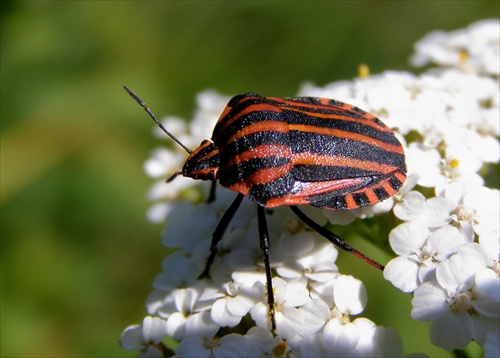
x: 219, y: 232
x: 336, y: 240
x: 264, y: 245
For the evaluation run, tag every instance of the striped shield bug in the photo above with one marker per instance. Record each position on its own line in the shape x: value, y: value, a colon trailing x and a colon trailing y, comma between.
x: 292, y: 152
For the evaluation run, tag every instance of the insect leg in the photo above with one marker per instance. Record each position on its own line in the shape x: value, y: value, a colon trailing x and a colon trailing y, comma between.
x: 211, y: 196
x: 336, y: 240
x: 264, y: 245
x: 219, y: 232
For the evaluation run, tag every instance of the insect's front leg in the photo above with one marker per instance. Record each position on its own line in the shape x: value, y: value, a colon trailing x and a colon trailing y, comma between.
x: 264, y: 245
x: 219, y: 232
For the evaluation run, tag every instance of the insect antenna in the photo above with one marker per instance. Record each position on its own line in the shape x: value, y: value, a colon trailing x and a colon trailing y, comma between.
x: 151, y: 114
x: 173, y: 176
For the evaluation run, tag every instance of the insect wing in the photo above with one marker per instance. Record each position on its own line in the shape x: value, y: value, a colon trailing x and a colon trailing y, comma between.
x: 307, y: 151
x: 343, y: 157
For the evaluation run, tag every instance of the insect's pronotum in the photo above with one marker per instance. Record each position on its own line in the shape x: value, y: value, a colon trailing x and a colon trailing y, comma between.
x: 295, y: 151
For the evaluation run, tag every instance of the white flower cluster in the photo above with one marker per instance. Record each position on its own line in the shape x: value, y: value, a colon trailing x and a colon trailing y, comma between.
x: 448, y: 245
x: 476, y: 48
x: 447, y: 241
x: 315, y: 304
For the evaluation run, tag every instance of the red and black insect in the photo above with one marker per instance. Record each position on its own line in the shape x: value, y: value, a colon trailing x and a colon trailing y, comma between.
x: 296, y: 151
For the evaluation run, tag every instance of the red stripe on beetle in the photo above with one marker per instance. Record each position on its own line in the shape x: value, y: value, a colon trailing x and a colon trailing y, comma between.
x: 367, y: 119
x: 267, y: 175
x: 230, y: 117
x: 265, y: 126
x: 261, y: 151
x: 318, y: 159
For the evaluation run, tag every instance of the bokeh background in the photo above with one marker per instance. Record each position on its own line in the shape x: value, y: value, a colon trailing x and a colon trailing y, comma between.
x: 77, y: 253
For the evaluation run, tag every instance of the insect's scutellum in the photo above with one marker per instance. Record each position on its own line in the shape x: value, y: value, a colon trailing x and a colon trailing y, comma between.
x: 292, y: 152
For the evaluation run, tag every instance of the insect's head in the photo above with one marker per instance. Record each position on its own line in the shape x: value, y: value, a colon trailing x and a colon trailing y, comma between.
x: 202, y: 163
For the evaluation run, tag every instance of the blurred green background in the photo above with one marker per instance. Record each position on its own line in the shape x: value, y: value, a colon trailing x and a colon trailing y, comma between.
x: 77, y: 254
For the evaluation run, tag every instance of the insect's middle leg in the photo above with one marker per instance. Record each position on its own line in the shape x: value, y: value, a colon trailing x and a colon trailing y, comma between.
x: 219, y: 232
x: 264, y: 245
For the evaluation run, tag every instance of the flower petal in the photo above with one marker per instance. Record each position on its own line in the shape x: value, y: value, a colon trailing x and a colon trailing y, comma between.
x: 340, y: 337
x: 452, y: 330
x: 429, y: 301
x: 402, y: 273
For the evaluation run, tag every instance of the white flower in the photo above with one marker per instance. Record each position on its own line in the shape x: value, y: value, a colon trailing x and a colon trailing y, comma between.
x: 420, y: 252
x: 438, y: 172
x: 313, y: 257
x: 288, y: 296
x: 349, y: 295
x: 433, y: 213
x: 181, y: 233
x: 232, y: 345
x: 377, y: 341
x: 146, y: 338
x: 340, y: 334
x: 480, y: 42
x: 456, y: 300
x: 187, y: 311
x: 371, y: 341
x: 315, y: 314
x: 262, y: 343
x: 178, y: 270
x: 424, y: 162
x: 478, y: 208
x: 229, y: 310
